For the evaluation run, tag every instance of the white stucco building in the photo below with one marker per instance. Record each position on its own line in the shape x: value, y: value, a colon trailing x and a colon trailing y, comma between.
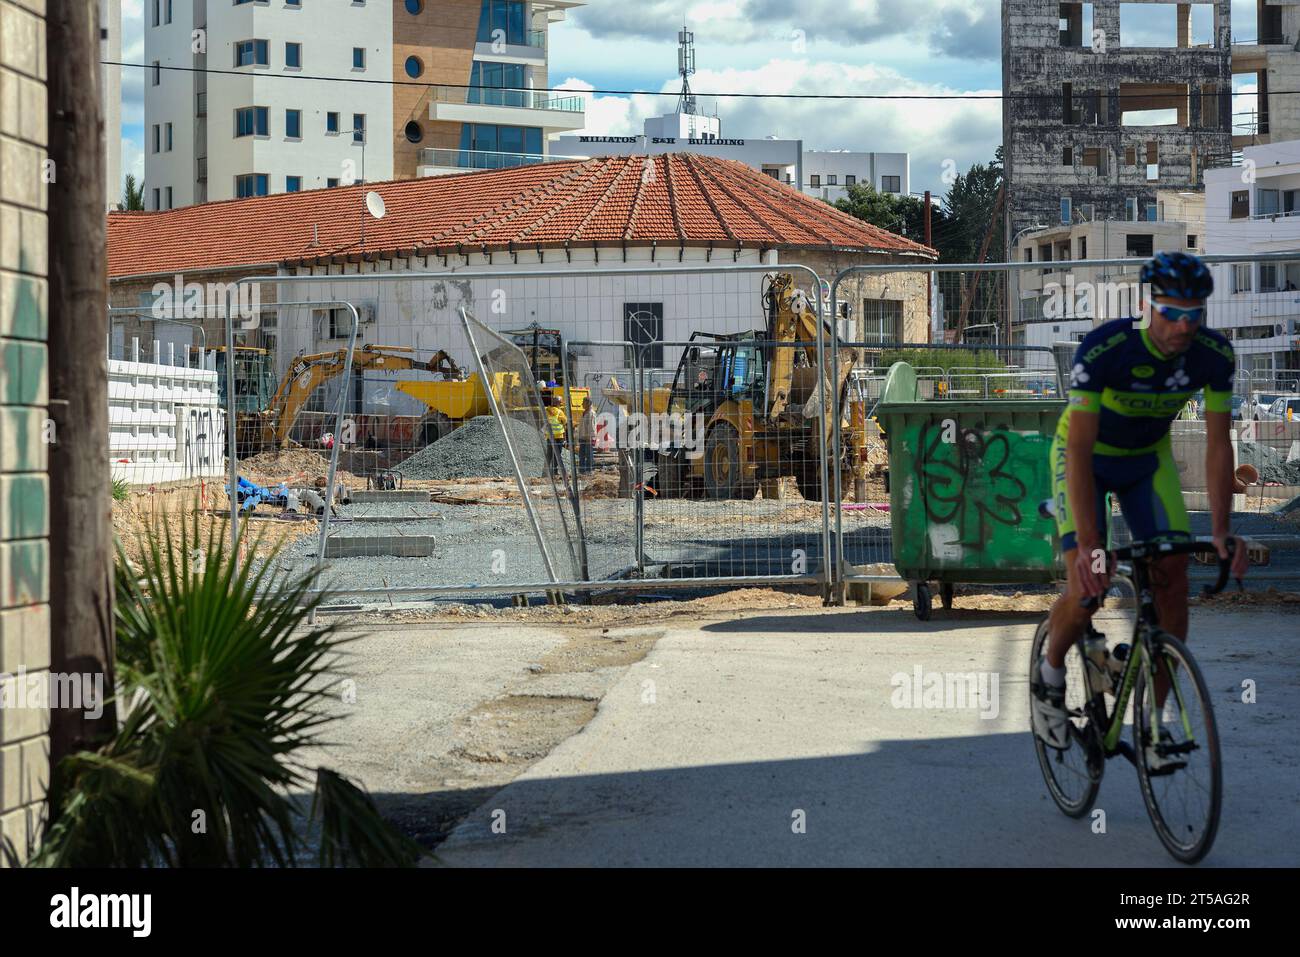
x: 1250, y: 209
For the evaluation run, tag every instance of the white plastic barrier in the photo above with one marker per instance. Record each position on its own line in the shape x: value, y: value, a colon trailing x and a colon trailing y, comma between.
x: 164, y: 421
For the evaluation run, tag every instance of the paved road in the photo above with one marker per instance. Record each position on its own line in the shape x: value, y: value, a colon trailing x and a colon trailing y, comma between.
x: 710, y: 749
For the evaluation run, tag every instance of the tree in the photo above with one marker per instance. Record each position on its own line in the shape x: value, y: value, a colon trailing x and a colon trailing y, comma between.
x: 968, y: 208
x: 903, y: 215
x: 133, y: 196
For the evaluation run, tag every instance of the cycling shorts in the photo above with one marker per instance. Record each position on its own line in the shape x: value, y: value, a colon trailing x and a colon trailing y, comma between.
x: 1145, y: 484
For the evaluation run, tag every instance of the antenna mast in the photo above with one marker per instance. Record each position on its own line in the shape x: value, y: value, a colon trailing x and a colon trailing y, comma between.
x: 685, y: 67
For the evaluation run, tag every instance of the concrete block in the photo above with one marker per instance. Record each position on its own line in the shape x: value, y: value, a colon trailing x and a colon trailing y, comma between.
x: 24, y: 506
x: 34, y: 776
x: 19, y: 719
x: 22, y: 439
x: 24, y: 573
x: 24, y: 373
x: 24, y: 306
x: 24, y: 639
x: 393, y: 495
x: 363, y: 546
x: 11, y: 774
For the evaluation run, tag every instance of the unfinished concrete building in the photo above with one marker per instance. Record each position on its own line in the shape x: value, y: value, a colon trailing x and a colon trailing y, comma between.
x: 1265, y: 57
x: 1106, y: 103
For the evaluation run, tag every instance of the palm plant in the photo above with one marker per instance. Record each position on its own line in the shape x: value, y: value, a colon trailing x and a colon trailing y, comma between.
x: 220, y: 685
x: 133, y: 194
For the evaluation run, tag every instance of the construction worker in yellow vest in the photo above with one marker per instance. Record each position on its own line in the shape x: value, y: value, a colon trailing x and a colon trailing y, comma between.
x: 556, y: 421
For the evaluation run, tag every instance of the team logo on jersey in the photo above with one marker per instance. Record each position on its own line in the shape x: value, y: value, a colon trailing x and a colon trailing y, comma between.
x: 1143, y: 372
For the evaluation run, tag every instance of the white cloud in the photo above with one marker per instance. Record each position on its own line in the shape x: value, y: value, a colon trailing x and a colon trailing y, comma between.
x: 939, y: 134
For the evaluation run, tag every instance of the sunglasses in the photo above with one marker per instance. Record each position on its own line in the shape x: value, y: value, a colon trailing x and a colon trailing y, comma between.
x: 1193, y: 315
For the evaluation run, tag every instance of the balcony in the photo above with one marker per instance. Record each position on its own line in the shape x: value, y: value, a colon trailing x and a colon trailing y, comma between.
x: 439, y: 162
x: 506, y: 107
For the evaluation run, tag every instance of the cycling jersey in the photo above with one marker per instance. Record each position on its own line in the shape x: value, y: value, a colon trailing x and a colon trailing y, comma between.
x: 1137, y: 391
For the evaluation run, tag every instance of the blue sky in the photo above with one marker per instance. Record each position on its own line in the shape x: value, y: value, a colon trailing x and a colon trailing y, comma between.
x: 791, y: 46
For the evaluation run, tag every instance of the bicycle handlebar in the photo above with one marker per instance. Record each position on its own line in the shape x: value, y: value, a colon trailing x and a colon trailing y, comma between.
x: 1139, y: 551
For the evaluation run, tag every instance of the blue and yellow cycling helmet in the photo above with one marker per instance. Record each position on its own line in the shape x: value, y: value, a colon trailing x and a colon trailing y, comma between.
x: 1179, y: 275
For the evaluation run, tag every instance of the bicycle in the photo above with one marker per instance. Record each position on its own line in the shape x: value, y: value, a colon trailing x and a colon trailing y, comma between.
x: 1099, y: 686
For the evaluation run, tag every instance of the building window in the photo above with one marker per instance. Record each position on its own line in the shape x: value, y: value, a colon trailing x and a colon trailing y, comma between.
x: 157, y: 198
x: 293, y: 55
x: 335, y: 323
x: 499, y: 84
x: 1130, y: 156
x: 168, y: 138
x: 850, y: 180
x: 251, y: 184
x: 168, y: 19
x: 252, y: 121
x: 331, y: 122
x: 1268, y: 277
x: 1067, y: 156
x: 831, y: 179
x: 1191, y: 240
x: 643, y: 325
x: 1083, y: 247
x: 891, y: 184
x: 1131, y: 209
x: 157, y: 138
x: 1087, y: 212
x: 332, y: 181
x: 292, y: 184
x: 155, y: 74
x: 168, y: 192
x: 1065, y: 209
x: 506, y: 20
x: 293, y: 3
x: 1139, y: 245
x: 358, y: 58
x: 1241, y: 277
x: 251, y: 53
x: 358, y: 127
x: 413, y: 132
x: 484, y: 145
x: 1240, y: 204
x: 1150, y: 211
x: 882, y: 320
x: 293, y: 124
x: 414, y: 67
x: 815, y: 180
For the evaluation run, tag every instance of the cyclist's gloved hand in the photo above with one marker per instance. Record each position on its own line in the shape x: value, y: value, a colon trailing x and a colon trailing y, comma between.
x: 1092, y: 565
x: 1240, y: 557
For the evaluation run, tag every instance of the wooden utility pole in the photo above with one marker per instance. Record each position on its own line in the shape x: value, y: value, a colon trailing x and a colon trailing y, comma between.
x: 929, y: 277
x: 81, y: 568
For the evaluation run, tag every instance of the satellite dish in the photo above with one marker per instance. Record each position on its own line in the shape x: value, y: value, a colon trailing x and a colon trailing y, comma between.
x: 375, y: 205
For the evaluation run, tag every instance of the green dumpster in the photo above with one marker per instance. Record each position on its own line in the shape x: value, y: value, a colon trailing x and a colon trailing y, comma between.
x: 966, y: 481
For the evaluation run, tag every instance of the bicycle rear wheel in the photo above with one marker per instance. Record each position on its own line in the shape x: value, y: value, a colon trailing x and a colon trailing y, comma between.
x: 1073, y: 775
x: 1183, y: 799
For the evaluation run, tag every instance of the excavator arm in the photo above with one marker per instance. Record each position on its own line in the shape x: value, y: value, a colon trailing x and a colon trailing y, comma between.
x: 306, y: 373
x: 791, y: 319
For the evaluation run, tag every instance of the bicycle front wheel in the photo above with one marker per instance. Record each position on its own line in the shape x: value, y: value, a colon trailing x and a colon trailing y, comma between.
x: 1072, y: 775
x: 1177, y: 745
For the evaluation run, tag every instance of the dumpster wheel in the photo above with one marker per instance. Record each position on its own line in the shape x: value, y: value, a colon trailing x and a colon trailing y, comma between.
x: 921, y: 600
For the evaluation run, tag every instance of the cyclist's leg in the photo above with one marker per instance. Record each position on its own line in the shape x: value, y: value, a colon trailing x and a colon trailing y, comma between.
x: 1068, y: 616
x: 1154, y: 509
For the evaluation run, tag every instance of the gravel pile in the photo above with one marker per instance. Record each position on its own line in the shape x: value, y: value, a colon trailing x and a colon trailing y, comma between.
x: 1271, y: 462
x: 477, y: 450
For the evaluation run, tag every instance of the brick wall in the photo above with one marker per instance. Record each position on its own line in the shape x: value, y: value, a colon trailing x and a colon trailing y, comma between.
x: 24, y: 484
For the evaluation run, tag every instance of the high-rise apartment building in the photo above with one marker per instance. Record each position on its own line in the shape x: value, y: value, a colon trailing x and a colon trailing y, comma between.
x: 271, y: 96
x: 1107, y: 103
x: 110, y: 49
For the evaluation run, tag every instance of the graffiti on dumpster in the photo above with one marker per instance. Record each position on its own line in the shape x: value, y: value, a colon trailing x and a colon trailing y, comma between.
x: 974, y: 497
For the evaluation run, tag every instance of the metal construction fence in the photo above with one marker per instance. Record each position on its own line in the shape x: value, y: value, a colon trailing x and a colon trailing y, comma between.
x: 527, y: 430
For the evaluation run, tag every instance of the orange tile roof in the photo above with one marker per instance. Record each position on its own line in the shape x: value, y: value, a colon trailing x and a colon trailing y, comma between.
x: 672, y: 200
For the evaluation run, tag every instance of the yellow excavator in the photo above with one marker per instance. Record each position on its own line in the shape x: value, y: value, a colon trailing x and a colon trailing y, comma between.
x: 757, y: 397
x: 271, y: 427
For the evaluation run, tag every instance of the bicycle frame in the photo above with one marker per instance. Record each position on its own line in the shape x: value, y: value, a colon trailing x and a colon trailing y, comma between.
x: 1142, y: 655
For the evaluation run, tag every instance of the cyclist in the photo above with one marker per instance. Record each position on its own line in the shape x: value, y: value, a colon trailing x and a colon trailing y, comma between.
x: 1130, y: 380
